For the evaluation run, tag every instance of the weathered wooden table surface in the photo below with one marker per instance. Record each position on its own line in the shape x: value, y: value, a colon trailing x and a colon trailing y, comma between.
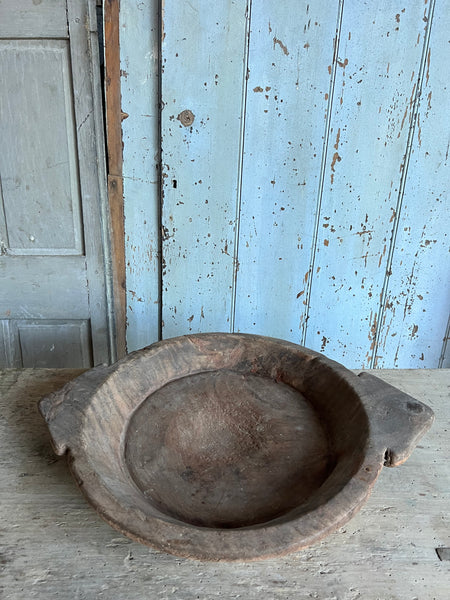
x: 54, y: 545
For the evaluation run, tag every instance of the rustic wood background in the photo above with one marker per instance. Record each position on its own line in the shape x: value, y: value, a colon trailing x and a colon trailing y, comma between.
x: 308, y: 198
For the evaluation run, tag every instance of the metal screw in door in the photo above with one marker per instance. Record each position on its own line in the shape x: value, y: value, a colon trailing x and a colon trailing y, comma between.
x: 186, y: 118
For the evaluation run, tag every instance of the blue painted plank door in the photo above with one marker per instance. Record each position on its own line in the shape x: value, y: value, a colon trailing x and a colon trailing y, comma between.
x: 303, y: 152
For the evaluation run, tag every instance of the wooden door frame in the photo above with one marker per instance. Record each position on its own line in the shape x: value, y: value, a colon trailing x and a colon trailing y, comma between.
x: 114, y: 118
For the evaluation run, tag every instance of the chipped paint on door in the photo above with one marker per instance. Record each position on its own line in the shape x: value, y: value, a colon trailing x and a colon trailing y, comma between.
x: 375, y: 91
x: 415, y: 307
x: 303, y: 176
x: 285, y: 122
x: 202, y: 84
x: 139, y: 48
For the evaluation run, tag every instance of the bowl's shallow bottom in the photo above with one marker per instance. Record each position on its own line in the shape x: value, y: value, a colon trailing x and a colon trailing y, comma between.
x: 221, y: 449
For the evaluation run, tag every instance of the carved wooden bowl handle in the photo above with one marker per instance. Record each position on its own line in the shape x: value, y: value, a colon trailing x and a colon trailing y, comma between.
x: 398, y: 420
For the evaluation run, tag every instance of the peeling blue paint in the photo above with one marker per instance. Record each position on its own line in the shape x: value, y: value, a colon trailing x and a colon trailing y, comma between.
x: 304, y: 176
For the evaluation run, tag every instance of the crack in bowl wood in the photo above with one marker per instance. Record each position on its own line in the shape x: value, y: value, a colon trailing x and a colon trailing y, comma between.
x: 230, y: 446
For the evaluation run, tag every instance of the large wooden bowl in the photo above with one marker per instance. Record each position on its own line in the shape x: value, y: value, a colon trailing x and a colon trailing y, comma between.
x: 230, y: 446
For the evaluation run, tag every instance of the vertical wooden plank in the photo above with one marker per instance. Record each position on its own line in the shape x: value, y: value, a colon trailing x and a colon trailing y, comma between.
x: 89, y: 132
x: 139, y: 69
x: 416, y: 308
x: 96, y: 40
x: 114, y: 153
x: 375, y: 91
x: 286, y: 111
x: 203, y: 71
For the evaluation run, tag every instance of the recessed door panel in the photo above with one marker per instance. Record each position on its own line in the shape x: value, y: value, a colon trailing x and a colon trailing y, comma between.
x: 41, y: 197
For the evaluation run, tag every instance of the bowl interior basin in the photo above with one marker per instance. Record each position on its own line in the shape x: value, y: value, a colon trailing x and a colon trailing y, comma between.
x: 227, y: 449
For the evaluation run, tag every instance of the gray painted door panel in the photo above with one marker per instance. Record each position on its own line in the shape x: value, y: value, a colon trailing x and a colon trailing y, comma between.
x: 53, y: 292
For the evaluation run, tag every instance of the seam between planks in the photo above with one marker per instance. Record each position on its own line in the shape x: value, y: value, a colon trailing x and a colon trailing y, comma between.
x: 323, y: 166
x: 402, y: 185
x: 4, y: 239
x: 115, y: 322
x: 240, y: 166
x: 159, y: 7
x: 444, y: 345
